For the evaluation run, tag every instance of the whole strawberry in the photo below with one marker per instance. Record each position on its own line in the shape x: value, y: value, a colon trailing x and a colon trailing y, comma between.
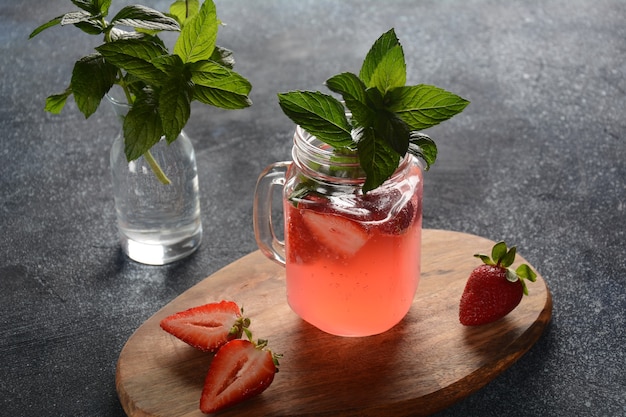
x: 493, y: 290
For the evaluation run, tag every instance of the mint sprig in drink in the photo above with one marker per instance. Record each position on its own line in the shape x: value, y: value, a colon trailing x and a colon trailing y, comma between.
x: 384, y: 115
x: 353, y: 194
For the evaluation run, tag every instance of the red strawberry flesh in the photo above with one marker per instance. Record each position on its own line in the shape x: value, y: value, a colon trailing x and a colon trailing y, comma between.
x: 337, y: 233
x: 239, y: 371
x: 206, y: 327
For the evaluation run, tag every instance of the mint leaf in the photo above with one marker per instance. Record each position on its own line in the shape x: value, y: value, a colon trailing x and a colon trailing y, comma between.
x: 377, y: 158
x: 92, y: 78
x: 197, y: 38
x: 221, y: 98
x: 390, y: 72
x: 422, y: 146
x: 319, y: 114
x: 117, y: 34
x: 170, y: 65
x: 94, y: 7
x: 352, y: 90
x: 56, y: 102
x: 375, y: 98
x: 223, y: 56
x: 90, y: 6
x: 214, y: 75
x: 423, y: 106
x: 72, y: 18
x: 135, y: 56
x: 348, y: 85
x: 53, y: 22
x: 104, y: 6
x: 384, y: 66
x: 142, y: 17
x: 366, y: 106
x: 81, y: 19
x: 142, y: 127
x: 91, y: 26
x: 393, y: 130
x: 219, y: 86
x: 184, y: 9
x: 175, y: 106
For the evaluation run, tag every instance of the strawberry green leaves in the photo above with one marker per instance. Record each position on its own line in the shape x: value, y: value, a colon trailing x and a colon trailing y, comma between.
x: 159, y: 85
x: 524, y: 272
x: 384, y: 114
x: 504, y: 257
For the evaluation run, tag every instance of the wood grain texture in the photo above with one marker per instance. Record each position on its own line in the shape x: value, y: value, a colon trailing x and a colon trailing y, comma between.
x: 423, y: 365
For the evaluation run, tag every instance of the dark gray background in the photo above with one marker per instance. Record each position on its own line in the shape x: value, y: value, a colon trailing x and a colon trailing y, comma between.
x: 537, y: 159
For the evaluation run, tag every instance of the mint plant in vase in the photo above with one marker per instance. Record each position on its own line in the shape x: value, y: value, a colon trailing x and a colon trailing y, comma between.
x: 153, y: 164
x: 352, y: 196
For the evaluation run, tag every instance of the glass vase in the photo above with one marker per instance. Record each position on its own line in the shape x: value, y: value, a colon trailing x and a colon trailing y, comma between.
x: 157, y: 223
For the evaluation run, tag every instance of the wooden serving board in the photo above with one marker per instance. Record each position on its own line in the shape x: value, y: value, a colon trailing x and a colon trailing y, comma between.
x: 423, y: 365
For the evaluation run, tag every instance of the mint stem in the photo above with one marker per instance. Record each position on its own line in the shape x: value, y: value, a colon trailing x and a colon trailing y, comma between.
x: 156, y: 168
x: 154, y: 165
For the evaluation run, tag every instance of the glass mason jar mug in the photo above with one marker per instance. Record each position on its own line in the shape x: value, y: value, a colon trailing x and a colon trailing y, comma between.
x: 352, y: 259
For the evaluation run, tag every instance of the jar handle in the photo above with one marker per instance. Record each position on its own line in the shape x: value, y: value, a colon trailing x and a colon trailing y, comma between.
x: 270, y: 245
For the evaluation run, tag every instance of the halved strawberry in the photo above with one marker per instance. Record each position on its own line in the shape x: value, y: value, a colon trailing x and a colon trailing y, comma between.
x: 493, y: 290
x: 207, y: 327
x: 338, y: 234
x: 240, y: 370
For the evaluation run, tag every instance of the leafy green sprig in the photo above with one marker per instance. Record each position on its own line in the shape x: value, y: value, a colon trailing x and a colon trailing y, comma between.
x: 386, y: 115
x: 160, y: 86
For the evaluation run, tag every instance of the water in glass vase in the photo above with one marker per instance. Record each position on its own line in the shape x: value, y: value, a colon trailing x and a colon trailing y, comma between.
x: 157, y: 223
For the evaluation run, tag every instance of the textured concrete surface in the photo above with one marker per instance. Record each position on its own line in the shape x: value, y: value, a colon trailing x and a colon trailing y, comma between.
x: 537, y: 159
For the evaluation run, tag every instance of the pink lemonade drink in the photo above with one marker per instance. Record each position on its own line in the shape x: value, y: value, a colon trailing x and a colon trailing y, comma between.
x: 353, y: 260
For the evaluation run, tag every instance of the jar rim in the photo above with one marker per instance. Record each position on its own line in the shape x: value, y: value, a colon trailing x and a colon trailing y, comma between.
x: 311, y: 154
x: 321, y: 151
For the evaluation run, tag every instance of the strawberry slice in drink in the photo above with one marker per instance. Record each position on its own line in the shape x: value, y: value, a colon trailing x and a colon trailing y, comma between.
x: 336, y: 233
x: 393, y: 215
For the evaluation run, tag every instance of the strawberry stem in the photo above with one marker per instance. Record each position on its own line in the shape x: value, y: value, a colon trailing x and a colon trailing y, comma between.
x: 503, y: 257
